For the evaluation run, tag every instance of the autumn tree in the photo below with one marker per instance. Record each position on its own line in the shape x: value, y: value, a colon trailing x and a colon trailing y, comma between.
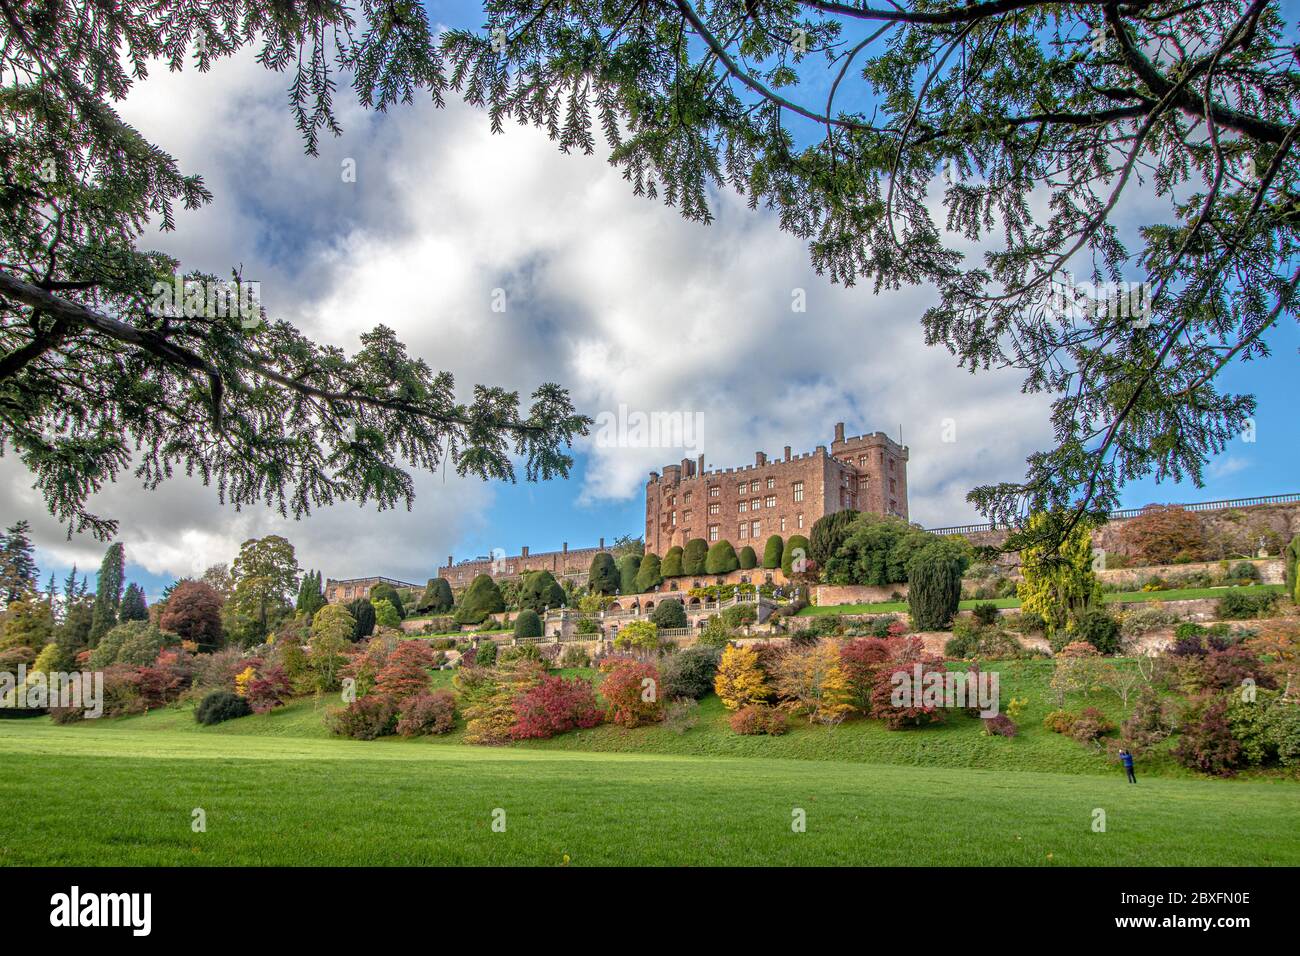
x: 740, y: 680
x: 193, y: 611
x: 811, y: 677
x: 406, y: 672
x: 1162, y: 535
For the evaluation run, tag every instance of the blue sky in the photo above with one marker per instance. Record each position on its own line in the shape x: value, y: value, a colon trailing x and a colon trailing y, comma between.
x: 614, y: 297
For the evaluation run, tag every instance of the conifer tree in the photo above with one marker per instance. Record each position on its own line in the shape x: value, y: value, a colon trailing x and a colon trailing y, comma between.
x: 108, y: 592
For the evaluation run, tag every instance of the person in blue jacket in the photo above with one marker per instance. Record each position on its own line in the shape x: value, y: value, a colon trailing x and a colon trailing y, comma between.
x: 1127, y: 759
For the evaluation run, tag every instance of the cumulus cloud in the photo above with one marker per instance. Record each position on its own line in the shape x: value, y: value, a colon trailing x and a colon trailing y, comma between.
x: 615, y: 297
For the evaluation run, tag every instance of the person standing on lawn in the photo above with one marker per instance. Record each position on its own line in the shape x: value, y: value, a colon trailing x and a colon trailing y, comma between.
x: 1127, y: 759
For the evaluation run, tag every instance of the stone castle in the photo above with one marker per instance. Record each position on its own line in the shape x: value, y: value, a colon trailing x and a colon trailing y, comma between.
x: 744, y: 505
x: 781, y: 496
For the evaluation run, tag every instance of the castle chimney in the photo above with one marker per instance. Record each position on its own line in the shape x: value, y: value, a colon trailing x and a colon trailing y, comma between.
x: 787, y: 452
x: 760, y: 458
x: 602, y: 545
x: 566, y: 547
x: 686, y: 467
x: 701, y: 464
x: 449, y: 560
x: 839, y: 433
x: 523, y: 552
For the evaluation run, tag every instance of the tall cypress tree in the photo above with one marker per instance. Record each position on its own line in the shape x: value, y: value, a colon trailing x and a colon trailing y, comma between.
x: 311, y: 594
x: 108, y: 592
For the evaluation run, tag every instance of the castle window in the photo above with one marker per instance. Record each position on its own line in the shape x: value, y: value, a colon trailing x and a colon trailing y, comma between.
x: 715, y: 491
x: 713, y: 532
x: 756, y: 529
x: 686, y: 500
x: 771, y: 483
x: 891, y: 464
x: 753, y: 485
x: 715, y: 508
x: 893, y: 506
x: 686, y: 516
x: 742, y: 488
x: 801, y: 519
x: 743, y: 529
x: 862, y: 461
x: 743, y: 506
x: 798, y: 491
x: 673, y: 519
x: 893, y: 486
x: 783, y: 524
x: 754, y: 505
x: 771, y: 501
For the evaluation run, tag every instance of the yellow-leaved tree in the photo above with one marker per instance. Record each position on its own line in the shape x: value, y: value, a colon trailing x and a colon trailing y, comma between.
x: 812, y: 677
x: 740, y: 681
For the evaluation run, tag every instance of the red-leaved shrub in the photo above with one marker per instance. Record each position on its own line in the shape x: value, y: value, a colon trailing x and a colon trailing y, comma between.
x: 555, y: 706
x: 1206, y: 742
x: 365, y: 718
x: 1000, y: 725
x: 268, y: 690
x: 631, y: 692
x: 427, y: 713
x: 759, y: 719
x: 405, y: 672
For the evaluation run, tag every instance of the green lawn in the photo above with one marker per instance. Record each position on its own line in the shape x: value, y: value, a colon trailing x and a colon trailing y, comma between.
x: 278, y: 789
x: 115, y: 794
x: 1114, y: 597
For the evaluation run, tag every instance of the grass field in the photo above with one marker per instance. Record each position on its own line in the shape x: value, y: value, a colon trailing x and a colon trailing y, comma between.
x: 117, y: 795
x: 1114, y: 597
x: 278, y: 789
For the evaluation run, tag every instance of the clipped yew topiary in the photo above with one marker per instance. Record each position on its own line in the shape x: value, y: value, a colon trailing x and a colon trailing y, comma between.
x: 628, y: 566
x: 747, y: 558
x: 671, y: 566
x: 602, y: 576
x: 650, y: 573
x: 539, y: 590
x: 437, y: 597
x: 528, y: 624
x: 694, y: 556
x: 795, y: 556
x: 386, y: 592
x: 721, y: 558
x: 772, y: 552
x: 669, y: 613
x: 480, y: 599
